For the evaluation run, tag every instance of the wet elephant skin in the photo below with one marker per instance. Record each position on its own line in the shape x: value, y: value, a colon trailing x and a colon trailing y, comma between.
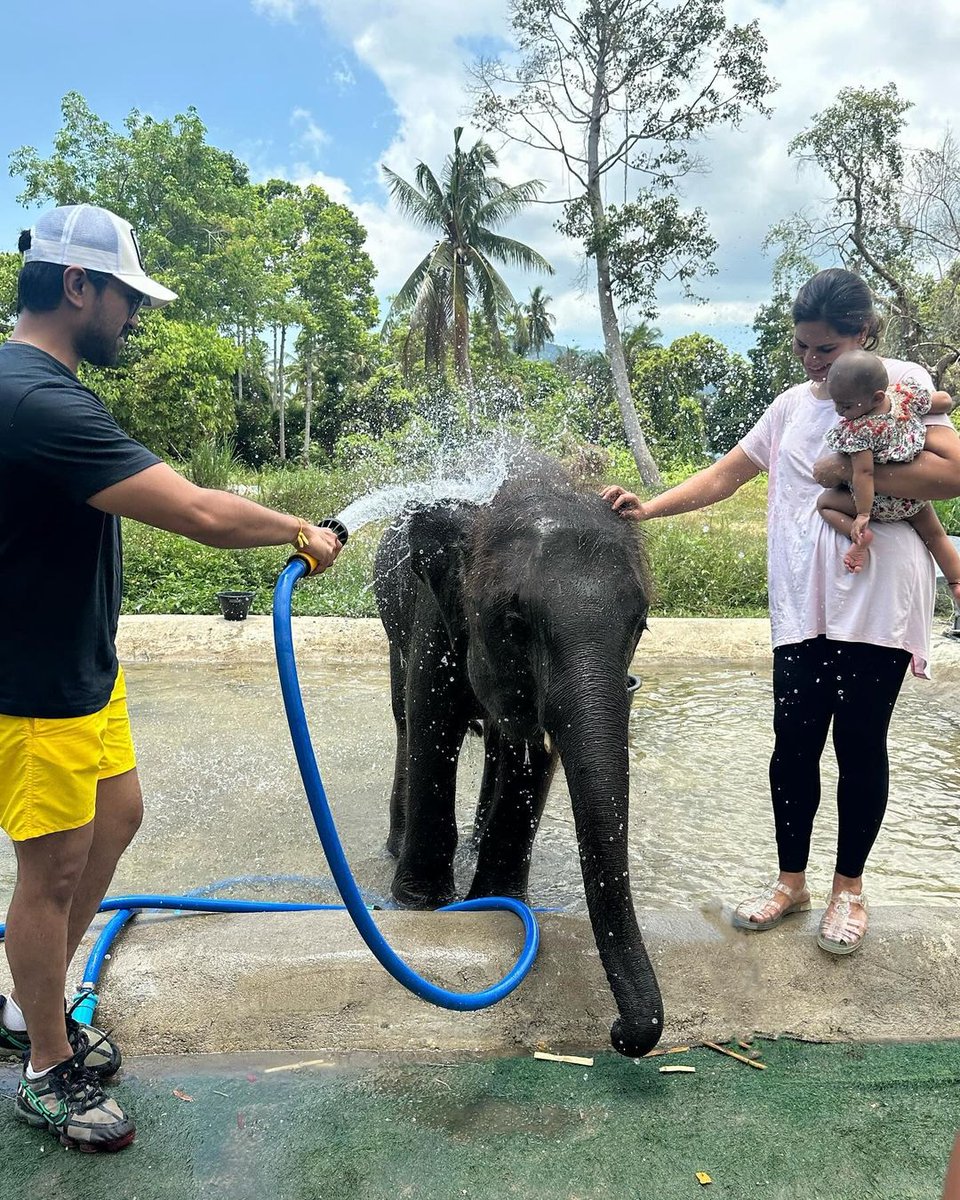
x: 519, y: 618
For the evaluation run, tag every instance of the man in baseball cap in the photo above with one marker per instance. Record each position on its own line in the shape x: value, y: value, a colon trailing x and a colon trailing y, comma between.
x: 82, y: 235
x: 69, y: 792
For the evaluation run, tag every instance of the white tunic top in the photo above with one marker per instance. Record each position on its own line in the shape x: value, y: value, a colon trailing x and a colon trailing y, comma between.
x: 890, y: 602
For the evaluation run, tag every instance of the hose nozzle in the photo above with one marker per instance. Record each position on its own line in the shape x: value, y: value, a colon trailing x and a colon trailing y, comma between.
x: 338, y: 528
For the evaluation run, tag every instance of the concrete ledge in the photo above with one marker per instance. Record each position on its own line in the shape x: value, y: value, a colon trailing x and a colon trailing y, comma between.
x: 305, y: 981
x: 212, y: 639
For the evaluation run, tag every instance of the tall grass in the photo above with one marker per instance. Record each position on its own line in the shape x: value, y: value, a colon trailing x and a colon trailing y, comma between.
x: 212, y: 463
x: 711, y: 563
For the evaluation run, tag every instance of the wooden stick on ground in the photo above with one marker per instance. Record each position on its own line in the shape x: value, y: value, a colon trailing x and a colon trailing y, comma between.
x: 563, y: 1058
x: 739, y: 1057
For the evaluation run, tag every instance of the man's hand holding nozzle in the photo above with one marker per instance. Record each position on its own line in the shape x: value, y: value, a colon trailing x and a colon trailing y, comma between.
x: 320, y: 545
x: 624, y: 503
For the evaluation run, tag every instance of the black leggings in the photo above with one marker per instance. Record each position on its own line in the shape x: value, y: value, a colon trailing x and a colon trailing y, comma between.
x: 856, y: 685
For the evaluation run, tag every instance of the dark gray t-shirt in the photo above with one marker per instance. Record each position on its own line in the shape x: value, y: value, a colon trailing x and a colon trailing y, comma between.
x: 61, y: 564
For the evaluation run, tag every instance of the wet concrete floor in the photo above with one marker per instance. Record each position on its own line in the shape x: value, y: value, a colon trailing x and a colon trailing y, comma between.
x: 224, y: 798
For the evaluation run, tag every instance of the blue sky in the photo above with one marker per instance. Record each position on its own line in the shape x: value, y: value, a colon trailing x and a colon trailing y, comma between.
x: 326, y: 90
x: 247, y: 76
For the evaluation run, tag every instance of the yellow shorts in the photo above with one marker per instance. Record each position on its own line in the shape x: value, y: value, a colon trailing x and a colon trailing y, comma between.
x: 49, y: 769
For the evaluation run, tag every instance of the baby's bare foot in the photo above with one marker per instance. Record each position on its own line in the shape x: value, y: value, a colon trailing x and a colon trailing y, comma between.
x: 856, y: 557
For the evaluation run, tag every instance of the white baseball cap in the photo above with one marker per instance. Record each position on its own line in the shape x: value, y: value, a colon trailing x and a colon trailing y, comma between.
x: 83, y: 235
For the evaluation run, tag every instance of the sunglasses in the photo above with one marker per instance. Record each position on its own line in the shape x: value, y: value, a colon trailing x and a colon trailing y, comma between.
x: 135, y: 300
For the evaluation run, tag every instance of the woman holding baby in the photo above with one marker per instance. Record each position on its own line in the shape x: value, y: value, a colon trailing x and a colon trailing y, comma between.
x: 842, y: 639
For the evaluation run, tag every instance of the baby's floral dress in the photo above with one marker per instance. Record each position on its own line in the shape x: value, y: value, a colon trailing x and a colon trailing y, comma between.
x: 894, y: 437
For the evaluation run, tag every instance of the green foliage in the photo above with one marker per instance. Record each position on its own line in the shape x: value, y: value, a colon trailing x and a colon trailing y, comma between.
x: 381, y: 404
x: 693, y: 394
x: 243, y: 258
x: 564, y: 403
x: 254, y: 434
x: 212, y: 463
x: 9, y: 269
x: 712, y: 563
x: 890, y: 215
x: 855, y: 142
x: 949, y: 513
x: 645, y: 241
x: 707, y: 565
x: 309, y: 493
x: 650, y: 80
x: 174, y: 387
x: 163, y: 177
x: 165, y: 573
x: 538, y: 321
x: 774, y: 365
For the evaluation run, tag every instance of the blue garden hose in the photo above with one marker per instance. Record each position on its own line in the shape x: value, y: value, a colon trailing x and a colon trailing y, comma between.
x: 126, y: 907
x: 323, y: 819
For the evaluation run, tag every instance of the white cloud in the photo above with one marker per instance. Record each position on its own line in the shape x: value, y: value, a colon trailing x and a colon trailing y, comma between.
x: 415, y: 48
x: 311, y: 135
x: 342, y: 76
x: 279, y: 10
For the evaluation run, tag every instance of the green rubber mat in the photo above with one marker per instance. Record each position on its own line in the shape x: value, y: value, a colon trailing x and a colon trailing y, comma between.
x: 821, y: 1122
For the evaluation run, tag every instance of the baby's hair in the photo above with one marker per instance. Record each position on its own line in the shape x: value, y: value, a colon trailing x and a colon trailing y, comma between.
x: 25, y: 239
x: 857, y: 373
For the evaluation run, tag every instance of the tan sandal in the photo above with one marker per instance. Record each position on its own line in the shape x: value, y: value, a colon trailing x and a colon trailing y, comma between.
x: 771, y: 897
x: 844, y: 923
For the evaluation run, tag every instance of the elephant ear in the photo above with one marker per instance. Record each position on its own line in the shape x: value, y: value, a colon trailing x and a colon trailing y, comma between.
x: 439, y: 549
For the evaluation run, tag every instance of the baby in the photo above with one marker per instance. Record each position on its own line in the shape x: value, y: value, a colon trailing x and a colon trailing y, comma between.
x: 881, y: 423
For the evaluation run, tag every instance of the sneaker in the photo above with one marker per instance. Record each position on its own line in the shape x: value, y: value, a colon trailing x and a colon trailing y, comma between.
x: 69, y: 1101
x: 98, y: 1053
x: 12, y: 1041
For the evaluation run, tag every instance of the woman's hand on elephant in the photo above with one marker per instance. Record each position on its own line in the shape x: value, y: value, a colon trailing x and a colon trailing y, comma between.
x: 624, y: 503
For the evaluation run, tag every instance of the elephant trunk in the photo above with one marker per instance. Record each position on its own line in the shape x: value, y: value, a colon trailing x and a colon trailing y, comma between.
x: 586, y: 714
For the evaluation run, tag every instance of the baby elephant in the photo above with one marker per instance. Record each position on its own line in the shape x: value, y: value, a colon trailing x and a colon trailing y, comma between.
x: 523, y: 615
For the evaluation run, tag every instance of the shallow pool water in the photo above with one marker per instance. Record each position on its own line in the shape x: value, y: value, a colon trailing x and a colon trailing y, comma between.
x: 224, y: 798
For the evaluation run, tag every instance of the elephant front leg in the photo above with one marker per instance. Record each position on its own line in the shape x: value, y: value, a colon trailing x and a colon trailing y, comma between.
x: 524, y: 772
x: 398, y: 793
x: 437, y: 717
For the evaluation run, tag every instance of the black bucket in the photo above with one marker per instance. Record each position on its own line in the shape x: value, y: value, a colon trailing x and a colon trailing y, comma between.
x: 235, y: 605
x: 634, y: 683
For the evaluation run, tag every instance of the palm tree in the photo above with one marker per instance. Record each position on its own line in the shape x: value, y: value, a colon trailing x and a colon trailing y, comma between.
x: 540, y: 323
x: 466, y: 205
x: 521, y: 333
x: 641, y: 337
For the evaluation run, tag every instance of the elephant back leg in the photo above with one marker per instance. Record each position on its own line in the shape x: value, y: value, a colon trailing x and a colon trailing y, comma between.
x: 525, y: 771
x: 488, y: 782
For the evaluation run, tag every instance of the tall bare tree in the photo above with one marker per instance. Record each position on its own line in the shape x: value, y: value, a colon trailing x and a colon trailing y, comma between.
x: 893, y: 216
x: 625, y: 86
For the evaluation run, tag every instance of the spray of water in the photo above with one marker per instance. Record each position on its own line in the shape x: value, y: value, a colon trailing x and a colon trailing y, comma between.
x: 472, y: 474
